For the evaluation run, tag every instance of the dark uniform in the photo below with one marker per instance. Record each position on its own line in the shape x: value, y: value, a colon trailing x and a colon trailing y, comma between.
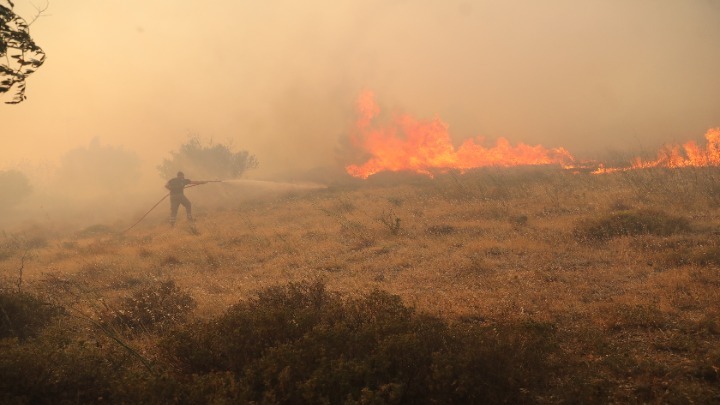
x: 177, y: 196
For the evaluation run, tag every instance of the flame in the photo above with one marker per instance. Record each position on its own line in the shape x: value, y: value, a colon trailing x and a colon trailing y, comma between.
x: 688, y: 154
x: 407, y: 144
x: 424, y: 146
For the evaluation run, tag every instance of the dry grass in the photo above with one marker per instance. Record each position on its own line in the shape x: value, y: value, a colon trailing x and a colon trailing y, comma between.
x: 639, y: 311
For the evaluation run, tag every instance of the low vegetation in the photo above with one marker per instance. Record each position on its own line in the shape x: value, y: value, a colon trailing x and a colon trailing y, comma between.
x: 631, y: 223
x: 528, y: 285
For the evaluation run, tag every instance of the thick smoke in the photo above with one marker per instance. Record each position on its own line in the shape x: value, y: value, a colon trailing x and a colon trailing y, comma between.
x: 280, y: 78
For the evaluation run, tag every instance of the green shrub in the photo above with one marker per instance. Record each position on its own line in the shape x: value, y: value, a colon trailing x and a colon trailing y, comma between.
x: 630, y: 223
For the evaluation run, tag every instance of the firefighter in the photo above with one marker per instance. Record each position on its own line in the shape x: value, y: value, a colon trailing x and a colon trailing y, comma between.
x: 177, y: 196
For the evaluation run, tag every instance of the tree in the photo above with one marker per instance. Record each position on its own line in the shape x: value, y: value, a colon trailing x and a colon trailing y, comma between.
x: 19, y: 55
x: 14, y: 187
x: 213, y: 161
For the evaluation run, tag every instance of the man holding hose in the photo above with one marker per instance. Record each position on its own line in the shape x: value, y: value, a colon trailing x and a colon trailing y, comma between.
x: 177, y: 196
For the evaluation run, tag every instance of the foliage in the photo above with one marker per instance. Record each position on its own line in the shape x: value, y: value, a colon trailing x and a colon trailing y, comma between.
x: 212, y: 161
x: 630, y: 223
x: 19, y: 55
x: 60, y: 369
x: 15, y: 187
x: 23, y: 315
x: 303, y: 344
x: 153, y: 307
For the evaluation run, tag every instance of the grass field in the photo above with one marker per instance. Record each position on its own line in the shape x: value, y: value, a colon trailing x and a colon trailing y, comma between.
x: 547, y: 286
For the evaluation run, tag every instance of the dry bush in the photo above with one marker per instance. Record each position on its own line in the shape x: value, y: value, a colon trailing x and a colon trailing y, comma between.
x: 391, y: 221
x: 302, y: 344
x: 630, y: 223
x: 152, y: 307
x: 679, y: 250
x: 441, y: 229
x: 23, y: 315
x: 15, y: 244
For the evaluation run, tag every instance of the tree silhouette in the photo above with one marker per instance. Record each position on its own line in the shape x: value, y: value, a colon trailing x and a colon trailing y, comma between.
x: 19, y: 55
x: 213, y: 161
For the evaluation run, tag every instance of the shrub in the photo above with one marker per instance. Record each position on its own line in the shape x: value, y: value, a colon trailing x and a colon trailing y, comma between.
x: 23, y: 315
x: 302, y: 344
x: 152, y: 308
x: 442, y: 229
x: 494, y: 364
x: 297, y: 343
x: 630, y: 223
x: 59, y: 368
x: 391, y: 222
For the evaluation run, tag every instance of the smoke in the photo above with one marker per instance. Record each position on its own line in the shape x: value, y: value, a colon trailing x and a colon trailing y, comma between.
x: 280, y: 78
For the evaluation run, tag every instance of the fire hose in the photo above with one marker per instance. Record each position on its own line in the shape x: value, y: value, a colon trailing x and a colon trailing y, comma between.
x: 163, y: 199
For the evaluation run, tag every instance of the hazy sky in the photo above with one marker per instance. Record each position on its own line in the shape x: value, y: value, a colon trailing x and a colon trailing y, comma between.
x: 279, y: 78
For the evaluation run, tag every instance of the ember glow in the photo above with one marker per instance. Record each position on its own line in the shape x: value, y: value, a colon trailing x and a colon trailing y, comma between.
x: 407, y: 144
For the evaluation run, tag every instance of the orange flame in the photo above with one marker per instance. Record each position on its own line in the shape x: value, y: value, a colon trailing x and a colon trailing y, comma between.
x: 409, y: 144
x: 687, y: 155
x: 676, y: 156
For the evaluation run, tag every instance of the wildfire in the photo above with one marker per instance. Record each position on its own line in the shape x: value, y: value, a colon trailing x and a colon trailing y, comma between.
x: 412, y: 145
x: 407, y: 144
x: 688, y: 154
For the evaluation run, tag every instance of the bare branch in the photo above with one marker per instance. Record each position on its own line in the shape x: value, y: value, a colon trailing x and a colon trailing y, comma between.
x: 39, y: 12
x: 20, y: 270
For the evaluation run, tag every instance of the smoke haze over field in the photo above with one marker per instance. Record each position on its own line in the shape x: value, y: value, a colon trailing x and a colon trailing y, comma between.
x: 279, y: 78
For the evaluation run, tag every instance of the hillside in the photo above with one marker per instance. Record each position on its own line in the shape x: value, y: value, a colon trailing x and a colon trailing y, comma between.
x: 554, y: 287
